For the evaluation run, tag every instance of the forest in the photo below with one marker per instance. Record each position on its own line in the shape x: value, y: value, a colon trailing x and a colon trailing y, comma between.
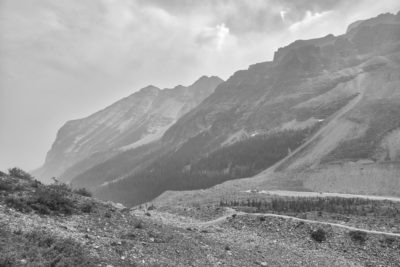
x: 190, y: 167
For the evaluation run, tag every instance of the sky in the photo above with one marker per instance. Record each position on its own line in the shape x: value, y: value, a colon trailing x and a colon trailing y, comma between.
x: 65, y: 59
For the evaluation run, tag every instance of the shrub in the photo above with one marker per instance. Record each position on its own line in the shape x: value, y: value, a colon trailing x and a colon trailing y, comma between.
x: 5, y: 186
x: 358, y: 236
x: 36, y: 184
x: 87, y: 207
x: 318, y: 235
x: 18, y: 203
x: 389, y: 240
x: 83, y: 192
x: 54, y: 198
x: 42, y: 249
x: 139, y: 225
x: 19, y: 173
x: 2, y: 174
x: 62, y: 188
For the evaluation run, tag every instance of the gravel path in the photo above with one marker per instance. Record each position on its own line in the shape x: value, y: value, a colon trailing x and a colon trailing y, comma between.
x: 184, y: 222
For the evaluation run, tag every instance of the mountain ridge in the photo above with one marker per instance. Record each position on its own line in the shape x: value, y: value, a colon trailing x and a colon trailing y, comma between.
x: 142, y: 116
x: 261, y: 115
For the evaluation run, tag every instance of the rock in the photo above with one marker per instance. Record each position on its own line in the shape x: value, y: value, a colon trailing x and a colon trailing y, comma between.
x: 23, y: 261
x: 263, y: 263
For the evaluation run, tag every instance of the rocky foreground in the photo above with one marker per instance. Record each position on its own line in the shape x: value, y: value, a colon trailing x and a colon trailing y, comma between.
x: 56, y: 226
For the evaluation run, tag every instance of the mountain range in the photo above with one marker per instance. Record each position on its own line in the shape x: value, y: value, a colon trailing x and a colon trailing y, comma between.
x: 136, y: 120
x: 323, y: 115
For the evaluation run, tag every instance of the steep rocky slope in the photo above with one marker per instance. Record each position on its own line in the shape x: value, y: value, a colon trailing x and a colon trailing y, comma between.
x: 320, y: 101
x: 136, y: 120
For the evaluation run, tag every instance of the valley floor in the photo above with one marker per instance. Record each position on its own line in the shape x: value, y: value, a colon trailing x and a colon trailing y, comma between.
x: 93, y: 233
x: 208, y: 236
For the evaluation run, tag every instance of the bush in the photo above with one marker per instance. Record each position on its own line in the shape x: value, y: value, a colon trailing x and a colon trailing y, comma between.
x: 5, y: 186
x: 54, y: 198
x: 62, y: 188
x: 2, y: 174
x: 139, y: 225
x: 41, y: 249
x: 358, y: 236
x: 87, y: 207
x: 19, y: 173
x: 18, y: 203
x: 318, y: 235
x: 83, y: 192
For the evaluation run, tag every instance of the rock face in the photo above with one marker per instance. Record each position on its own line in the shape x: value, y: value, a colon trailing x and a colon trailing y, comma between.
x: 320, y: 101
x: 131, y: 122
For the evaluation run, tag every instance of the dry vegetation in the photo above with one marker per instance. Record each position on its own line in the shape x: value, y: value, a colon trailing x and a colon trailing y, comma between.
x: 364, y: 213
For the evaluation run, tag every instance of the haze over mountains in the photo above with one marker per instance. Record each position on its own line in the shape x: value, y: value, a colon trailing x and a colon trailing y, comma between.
x: 325, y: 111
x: 138, y: 119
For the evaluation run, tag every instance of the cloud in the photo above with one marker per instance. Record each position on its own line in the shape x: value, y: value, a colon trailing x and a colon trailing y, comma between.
x: 309, y: 19
x: 65, y: 59
x: 283, y: 14
x: 213, y: 36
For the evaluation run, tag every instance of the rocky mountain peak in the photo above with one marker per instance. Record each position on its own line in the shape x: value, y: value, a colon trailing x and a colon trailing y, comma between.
x: 386, y: 18
x: 132, y: 121
x: 149, y: 90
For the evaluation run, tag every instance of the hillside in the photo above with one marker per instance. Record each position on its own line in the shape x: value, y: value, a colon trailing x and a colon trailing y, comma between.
x: 319, y: 103
x: 136, y: 120
x: 51, y: 225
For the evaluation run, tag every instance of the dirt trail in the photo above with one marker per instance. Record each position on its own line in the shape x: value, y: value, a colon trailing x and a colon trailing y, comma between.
x: 323, y: 131
x: 185, y: 222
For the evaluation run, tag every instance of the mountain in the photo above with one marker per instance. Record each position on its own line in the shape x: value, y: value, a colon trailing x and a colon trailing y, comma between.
x: 320, y: 102
x: 128, y: 123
